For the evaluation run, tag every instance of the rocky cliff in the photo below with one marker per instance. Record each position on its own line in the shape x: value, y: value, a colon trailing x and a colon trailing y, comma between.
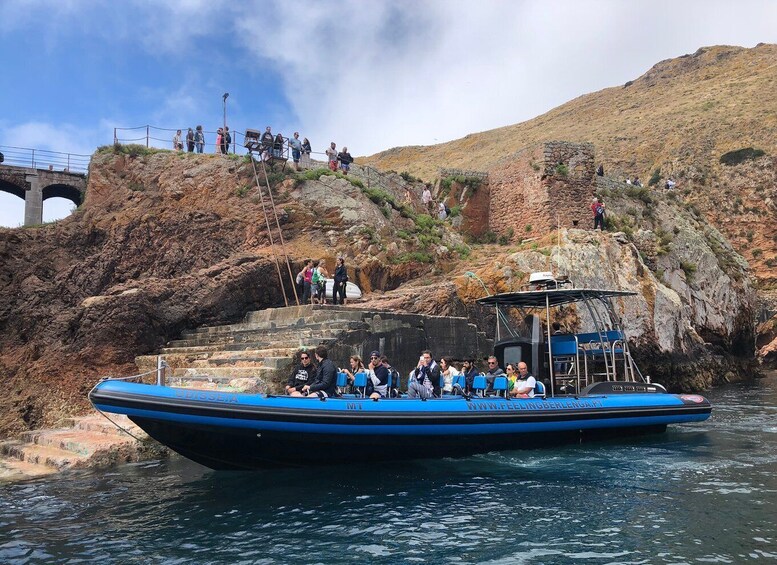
x: 166, y: 242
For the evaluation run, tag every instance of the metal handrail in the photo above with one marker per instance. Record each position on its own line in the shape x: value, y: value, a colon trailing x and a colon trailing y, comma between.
x: 45, y: 159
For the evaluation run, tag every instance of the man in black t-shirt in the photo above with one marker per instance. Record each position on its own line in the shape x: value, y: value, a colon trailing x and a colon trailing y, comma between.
x: 301, y: 376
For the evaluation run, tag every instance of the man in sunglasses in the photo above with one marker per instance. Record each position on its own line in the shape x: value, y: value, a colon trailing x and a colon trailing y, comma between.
x: 301, y: 375
x: 494, y: 370
x: 378, y: 375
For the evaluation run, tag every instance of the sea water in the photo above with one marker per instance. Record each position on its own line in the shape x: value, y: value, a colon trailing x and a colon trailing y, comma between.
x: 700, y: 493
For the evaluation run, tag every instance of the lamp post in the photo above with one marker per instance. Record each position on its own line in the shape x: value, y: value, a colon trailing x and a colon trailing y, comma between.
x: 224, y: 98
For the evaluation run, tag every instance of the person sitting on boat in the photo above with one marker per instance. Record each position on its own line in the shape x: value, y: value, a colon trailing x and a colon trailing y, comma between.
x: 448, y: 372
x: 424, y: 381
x: 525, y: 383
x: 301, y: 376
x: 512, y: 375
x: 379, y: 376
x: 470, y: 372
x: 357, y: 366
x: 494, y: 371
x: 325, y: 381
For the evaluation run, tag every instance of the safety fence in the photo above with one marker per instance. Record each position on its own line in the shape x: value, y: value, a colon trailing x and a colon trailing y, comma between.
x: 44, y: 159
x: 162, y: 138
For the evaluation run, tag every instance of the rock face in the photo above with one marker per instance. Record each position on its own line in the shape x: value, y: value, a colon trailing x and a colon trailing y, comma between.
x: 167, y: 242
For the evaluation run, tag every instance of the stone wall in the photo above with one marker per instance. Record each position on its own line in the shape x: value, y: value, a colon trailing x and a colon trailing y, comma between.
x: 542, y: 187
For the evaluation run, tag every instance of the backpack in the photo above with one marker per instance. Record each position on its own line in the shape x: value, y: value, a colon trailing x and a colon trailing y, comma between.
x: 447, y: 210
x: 395, y: 382
x: 599, y: 209
x: 300, y: 278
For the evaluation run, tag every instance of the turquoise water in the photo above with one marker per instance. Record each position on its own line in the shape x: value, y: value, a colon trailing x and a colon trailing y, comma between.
x: 701, y: 493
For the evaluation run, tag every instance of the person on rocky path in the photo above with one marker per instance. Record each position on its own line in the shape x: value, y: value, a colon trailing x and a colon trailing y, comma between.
x: 426, y: 199
x: 597, y: 207
x: 325, y: 381
x: 296, y: 149
x: 301, y: 375
x: 331, y: 155
x: 307, y: 281
x: 306, y: 151
x: 199, y: 139
x: 177, y: 143
x: 319, y: 282
x: 424, y: 380
x: 190, y: 141
x: 345, y: 160
x: 340, y: 282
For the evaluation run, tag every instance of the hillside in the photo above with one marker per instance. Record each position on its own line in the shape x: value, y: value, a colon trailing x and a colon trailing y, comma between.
x: 679, y: 117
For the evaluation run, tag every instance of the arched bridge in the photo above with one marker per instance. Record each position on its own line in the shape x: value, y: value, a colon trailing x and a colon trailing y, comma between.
x: 35, y: 176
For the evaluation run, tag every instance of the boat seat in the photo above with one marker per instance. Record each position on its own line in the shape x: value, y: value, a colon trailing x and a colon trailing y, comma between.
x: 342, y: 382
x: 539, y: 389
x: 500, y: 386
x: 459, y: 384
x: 479, y: 385
x: 360, y: 383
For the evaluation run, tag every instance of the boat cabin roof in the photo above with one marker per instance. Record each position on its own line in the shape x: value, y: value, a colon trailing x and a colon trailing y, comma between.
x: 553, y: 297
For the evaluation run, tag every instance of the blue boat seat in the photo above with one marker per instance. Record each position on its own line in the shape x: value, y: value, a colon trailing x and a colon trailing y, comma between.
x: 342, y: 382
x: 479, y: 385
x: 500, y: 386
x: 360, y: 383
x: 459, y: 384
x: 539, y: 390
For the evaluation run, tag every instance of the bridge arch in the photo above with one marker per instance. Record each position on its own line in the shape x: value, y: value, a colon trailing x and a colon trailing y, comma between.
x: 12, y: 188
x: 66, y: 191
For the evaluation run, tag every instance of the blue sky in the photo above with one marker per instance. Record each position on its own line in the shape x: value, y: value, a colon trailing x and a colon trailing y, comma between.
x: 369, y: 74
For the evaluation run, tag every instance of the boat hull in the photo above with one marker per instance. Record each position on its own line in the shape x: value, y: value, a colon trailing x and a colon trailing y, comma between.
x: 240, y: 431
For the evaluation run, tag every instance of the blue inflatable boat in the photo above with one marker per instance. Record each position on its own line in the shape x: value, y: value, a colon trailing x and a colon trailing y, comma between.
x: 588, y: 387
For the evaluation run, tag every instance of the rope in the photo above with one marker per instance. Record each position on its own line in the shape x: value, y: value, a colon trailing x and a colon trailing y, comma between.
x: 103, y: 414
x: 269, y: 230
x: 280, y: 235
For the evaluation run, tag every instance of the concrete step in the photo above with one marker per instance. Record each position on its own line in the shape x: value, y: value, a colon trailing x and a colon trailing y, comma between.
x: 221, y: 372
x: 235, y: 347
x: 223, y: 384
x: 97, y: 423
x: 53, y: 457
x: 195, y: 358
x: 313, y: 323
x: 278, y: 337
x: 16, y: 470
x: 79, y: 442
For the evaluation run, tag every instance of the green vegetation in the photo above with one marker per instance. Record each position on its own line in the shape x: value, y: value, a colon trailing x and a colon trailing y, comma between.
x: 132, y: 149
x: 640, y: 193
x: 243, y: 190
x: 664, y: 240
x: 414, y: 257
x: 688, y: 268
x: 655, y: 178
x: 407, y: 177
x: 469, y: 182
x: 463, y: 251
x: 136, y: 187
x: 757, y: 252
x: 505, y: 238
x: 455, y: 211
x: 741, y: 155
x: 562, y: 170
x: 528, y: 228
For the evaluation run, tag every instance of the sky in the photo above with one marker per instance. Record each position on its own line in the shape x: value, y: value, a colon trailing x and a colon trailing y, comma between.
x: 367, y: 74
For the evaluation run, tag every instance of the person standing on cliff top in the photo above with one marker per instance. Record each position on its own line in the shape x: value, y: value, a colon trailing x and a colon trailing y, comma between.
x: 296, y: 149
x: 199, y: 139
x: 226, y: 140
x: 177, y: 143
x: 345, y: 160
x: 597, y: 207
x: 190, y: 141
x: 306, y: 151
x: 331, y: 155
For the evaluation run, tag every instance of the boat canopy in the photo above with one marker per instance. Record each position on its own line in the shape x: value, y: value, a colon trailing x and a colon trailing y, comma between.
x: 550, y: 297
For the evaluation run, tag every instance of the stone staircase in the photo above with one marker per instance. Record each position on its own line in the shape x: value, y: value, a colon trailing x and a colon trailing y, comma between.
x: 257, y: 354
x: 86, y: 442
